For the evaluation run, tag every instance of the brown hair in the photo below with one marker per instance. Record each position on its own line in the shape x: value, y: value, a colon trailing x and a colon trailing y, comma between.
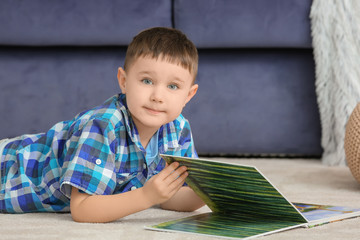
x: 168, y: 43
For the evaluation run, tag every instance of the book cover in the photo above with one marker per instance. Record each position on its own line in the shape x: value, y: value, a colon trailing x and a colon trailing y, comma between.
x: 244, y: 203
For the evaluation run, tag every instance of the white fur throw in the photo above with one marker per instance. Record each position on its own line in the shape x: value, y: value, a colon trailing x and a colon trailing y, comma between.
x: 335, y: 27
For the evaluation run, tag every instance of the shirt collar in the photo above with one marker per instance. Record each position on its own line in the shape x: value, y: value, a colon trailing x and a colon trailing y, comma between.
x: 129, y: 123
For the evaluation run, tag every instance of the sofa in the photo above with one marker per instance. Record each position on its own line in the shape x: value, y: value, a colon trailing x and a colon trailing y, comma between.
x: 256, y: 69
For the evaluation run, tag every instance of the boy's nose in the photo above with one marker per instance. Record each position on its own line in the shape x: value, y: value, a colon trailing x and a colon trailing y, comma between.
x: 157, y: 95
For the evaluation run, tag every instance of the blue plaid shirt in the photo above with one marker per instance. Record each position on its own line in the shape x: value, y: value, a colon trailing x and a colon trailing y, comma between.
x: 98, y: 152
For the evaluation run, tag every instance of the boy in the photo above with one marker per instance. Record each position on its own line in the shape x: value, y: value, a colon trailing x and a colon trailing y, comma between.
x: 104, y: 164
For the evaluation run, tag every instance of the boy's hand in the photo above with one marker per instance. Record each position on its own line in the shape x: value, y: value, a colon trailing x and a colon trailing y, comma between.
x: 164, y: 185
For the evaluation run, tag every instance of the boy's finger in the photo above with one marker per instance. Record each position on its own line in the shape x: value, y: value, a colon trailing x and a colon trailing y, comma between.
x: 179, y: 182
x: 175, y: 174
x: 168, y: 170
x: 177, y: 178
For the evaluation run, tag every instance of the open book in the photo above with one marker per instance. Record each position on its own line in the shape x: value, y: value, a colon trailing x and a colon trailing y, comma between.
x: 244, y: 203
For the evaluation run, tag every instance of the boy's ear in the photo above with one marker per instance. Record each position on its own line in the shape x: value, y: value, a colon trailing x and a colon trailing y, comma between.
x: 122, y: 79
x: 192, y: 92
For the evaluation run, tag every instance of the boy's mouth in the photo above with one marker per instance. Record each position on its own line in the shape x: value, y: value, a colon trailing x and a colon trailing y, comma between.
x: 153, y: 111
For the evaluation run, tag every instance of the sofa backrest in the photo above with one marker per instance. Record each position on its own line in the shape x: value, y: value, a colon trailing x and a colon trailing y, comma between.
x: 245, y: 23
x: 79, y: 22
x: 209, y: 23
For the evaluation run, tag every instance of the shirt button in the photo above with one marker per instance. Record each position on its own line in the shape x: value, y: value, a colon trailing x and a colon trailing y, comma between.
x: 98, y: 161
x: 133, y: 188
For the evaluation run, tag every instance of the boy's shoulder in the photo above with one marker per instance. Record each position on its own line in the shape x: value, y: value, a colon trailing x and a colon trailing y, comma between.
x: 111, y: 111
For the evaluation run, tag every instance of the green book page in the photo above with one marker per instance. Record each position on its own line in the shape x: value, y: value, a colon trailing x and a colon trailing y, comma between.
x: 236, y: 189
x: 243, y: 201
x: 228, y: 226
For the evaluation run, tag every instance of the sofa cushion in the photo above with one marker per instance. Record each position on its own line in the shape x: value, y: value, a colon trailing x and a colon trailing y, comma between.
x: 255, y: 101
x: 79, y: 22
x: 40, y: 86
x: 244, y: 23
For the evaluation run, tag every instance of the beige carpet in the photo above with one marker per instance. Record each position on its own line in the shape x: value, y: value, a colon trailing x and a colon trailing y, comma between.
x: 299, y: 180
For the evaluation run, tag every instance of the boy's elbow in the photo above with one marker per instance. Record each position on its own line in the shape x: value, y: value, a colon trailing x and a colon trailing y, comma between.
x: 79, y: 209
x: 76, y: 218
x: 76, y: 215
x: 83, y: 217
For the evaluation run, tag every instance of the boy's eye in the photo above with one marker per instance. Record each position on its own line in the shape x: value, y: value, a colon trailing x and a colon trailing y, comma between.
x: 173, y: 87
x: 147, y: 81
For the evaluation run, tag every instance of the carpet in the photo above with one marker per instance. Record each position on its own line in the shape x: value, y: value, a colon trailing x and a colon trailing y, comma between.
x: 300, y: 180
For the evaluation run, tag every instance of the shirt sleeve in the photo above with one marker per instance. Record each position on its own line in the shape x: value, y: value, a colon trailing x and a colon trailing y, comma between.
x: 89, y: 161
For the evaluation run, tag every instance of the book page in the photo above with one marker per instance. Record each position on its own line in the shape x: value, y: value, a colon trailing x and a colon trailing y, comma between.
x: 321, y: 214
x: 237, y: 189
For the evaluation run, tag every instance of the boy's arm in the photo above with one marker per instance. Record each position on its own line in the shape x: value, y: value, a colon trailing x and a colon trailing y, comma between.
x: 185, y: 200
x: 107, y: 208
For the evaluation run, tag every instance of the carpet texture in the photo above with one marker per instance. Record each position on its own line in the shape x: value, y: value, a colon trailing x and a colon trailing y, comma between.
x: 299, y: 180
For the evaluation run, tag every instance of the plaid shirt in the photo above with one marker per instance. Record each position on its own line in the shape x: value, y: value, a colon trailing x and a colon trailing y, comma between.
x: 98, y: 152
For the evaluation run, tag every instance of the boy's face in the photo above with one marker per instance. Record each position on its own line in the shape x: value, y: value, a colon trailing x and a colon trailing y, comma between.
x: 156, y: 91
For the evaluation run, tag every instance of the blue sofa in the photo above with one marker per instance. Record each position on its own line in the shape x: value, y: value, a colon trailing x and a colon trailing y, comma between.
x: 256, y: 71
